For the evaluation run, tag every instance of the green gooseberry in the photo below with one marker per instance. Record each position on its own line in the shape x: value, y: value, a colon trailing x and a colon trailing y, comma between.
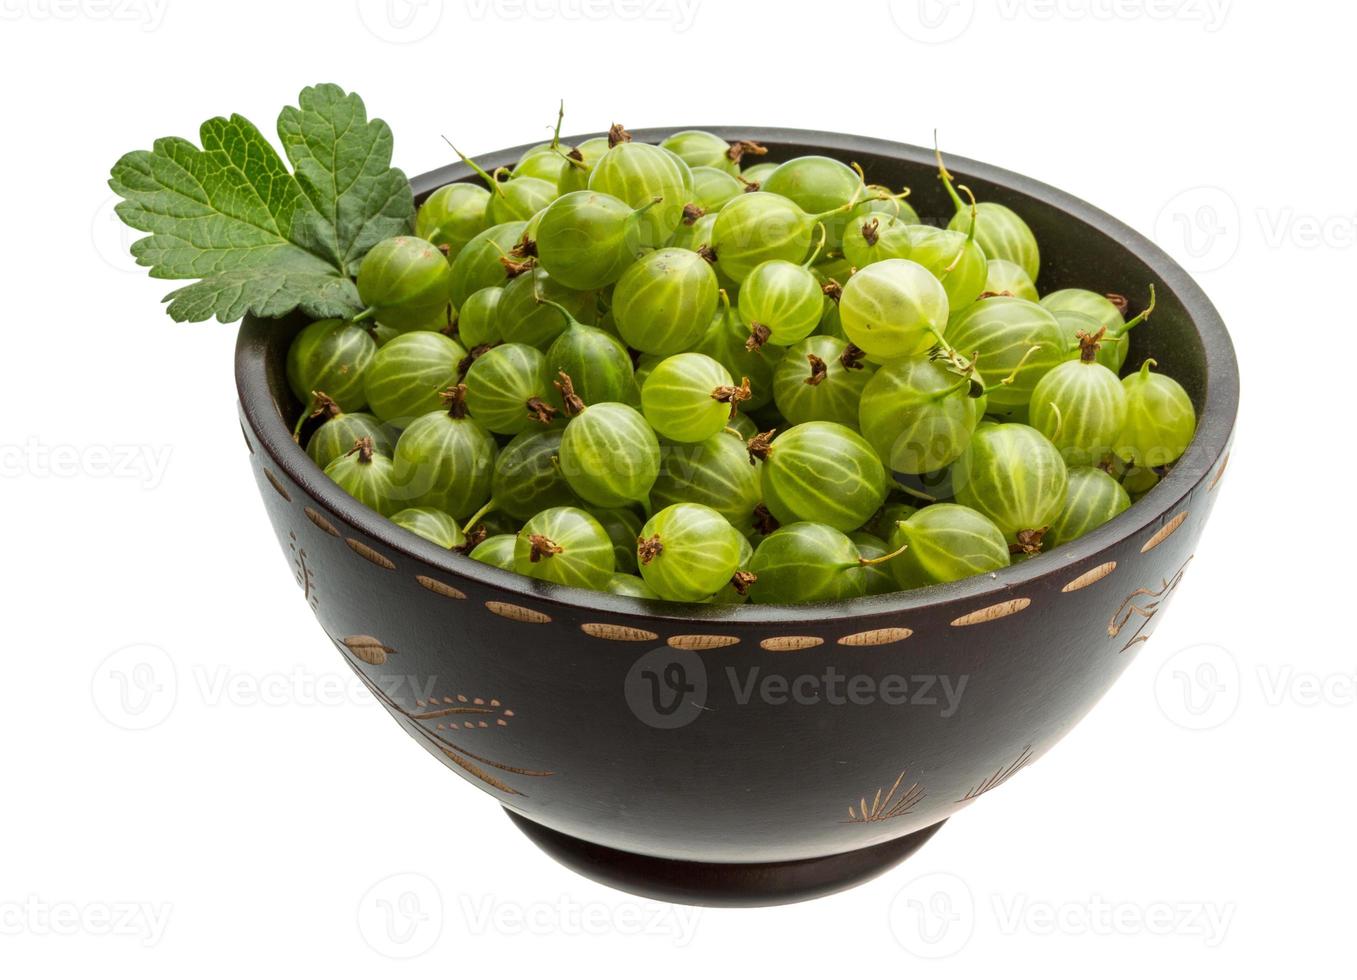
x: 700, y: 149
x: 878, y: 199
x: 598, y: 364
x: 480, y: 263
x: 821, y: 379
x: 893, y: 308
x: 367, y: 477
x: 409, y: 374
x: 516, y: 198
x: 527, y: 478
x: 726, y: 341
x: 664, y: 302
x: 453, y: 215
x: 527, y: 312
x: 507, y: 389
x: 1104, y: 311
x: 405, y: 283
x: 956, y: 260
x: 1160, y: 419
x: 715, y: 472
x: 759, y: 226
x: 756, y: 173
x: 999, y: 230
x: 566, y: 546
x: 875, y: 236
x: 580, y: 163
x: 626, y: 584
x: 1005, y: 278
x: 688, y: 552
x: 712, y: 190
x: 587, y: 239
x: 736, y: 591
x: 496, y: 550
x: 820, y: 471
x: 782, y: 301
x: 1080, y: 406
x: 445, y: 459
x: 806, y: 562
x: 477, y: 319
x: 1092, y: 499
x: 1013, y: 475
x: 689, y: 397
x: 946, y: 543
x: 818, y: 185
x: 919, y: 414
x: 330, y: 356
x: 882, y: 524
x: 1009, y: 338
x: 609, y: 453
x: 623, y: 526
x: 639, y: 174
x: 432, y: 525
x: 337, y: 434
x: 1115, y: 341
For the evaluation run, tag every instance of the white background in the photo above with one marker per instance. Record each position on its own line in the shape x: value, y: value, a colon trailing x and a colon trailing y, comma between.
x: 256, y: 828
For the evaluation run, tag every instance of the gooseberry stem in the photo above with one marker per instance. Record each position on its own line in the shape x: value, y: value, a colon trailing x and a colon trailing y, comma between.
x: 490, y: 505
x: 815, y: 254
x: 881, y: 559
x: 490, y: 181
x: 1018, y: 367
x: 945, y: 176
x: 1144, y: 314
x: 970, y: 235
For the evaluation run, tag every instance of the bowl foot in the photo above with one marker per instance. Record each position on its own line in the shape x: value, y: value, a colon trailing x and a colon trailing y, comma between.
x: 722, y: 885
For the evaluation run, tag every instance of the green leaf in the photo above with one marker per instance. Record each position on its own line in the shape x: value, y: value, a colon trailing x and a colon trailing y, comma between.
x: 261, y: 239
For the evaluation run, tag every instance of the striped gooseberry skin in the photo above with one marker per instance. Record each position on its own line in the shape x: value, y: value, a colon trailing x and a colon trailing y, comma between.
x: 478, y: 318
x: 665, y: 301
x: 892, y: 308
x: 453, y: 215
x: 444, y: 461
x: 565, y: 545
x: 598, y: 364
x: 714, y: 472
x: 527, y: 476
x: 1081, y: 407
x: 879, y: 201
x: 637, y: 174
x: 518, y: 199
x: 877, y: 579
x: 1092, y: 499
x: 544, y: 161
x: 726, y: 341
x: 960, y: 265
x: 500, y: 384
x: 478, y: 264
x: 947, y: 542
x: 817, y: 184
x: 368, y: 478
x: 823, y: 472
x: 623, y: 526
x: 877, y: 235
x: 625, y: 583
x: 406, y: 282
x: 702, y: 150
x: 681, y: 397
x: 758, y: 172
x: 713, y: 189
x: 336, y: 436
x: 1160, y: 420
x: 1083, y: 309
x: 918, y: 415
x: 431, y: 525
x: 523, y: 317
x: 733, y: 593
x: 1003, y: 276
x: 817, y: 380
x: 330, y: 356
x: 1000, y: 331
x: 687, y: 552
x: 496, y: 550
x: 785, y: 298
x: 586, y: 239
x: 406, y: 378
x: 806, y: 562
x: 1111, y: 351
x: 1103, y: 311
x: 1013, y: 475
x: 757, y: 227
x: 610, y: 455
x: 1002, y: 234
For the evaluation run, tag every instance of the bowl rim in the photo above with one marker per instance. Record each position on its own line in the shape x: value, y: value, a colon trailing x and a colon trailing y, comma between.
x: 1215, y: 422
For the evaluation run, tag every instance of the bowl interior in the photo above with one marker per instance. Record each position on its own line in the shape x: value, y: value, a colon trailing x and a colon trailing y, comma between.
x: 1080, y: 247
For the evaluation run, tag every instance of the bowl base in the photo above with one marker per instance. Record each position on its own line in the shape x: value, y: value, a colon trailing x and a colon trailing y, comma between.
x: 722, y: 885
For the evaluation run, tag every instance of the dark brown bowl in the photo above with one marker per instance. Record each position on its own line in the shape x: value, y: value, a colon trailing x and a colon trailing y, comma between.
x: 621, y: 735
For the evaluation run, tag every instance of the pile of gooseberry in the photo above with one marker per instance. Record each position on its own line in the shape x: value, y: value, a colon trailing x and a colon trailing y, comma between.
x: 681, y: 371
